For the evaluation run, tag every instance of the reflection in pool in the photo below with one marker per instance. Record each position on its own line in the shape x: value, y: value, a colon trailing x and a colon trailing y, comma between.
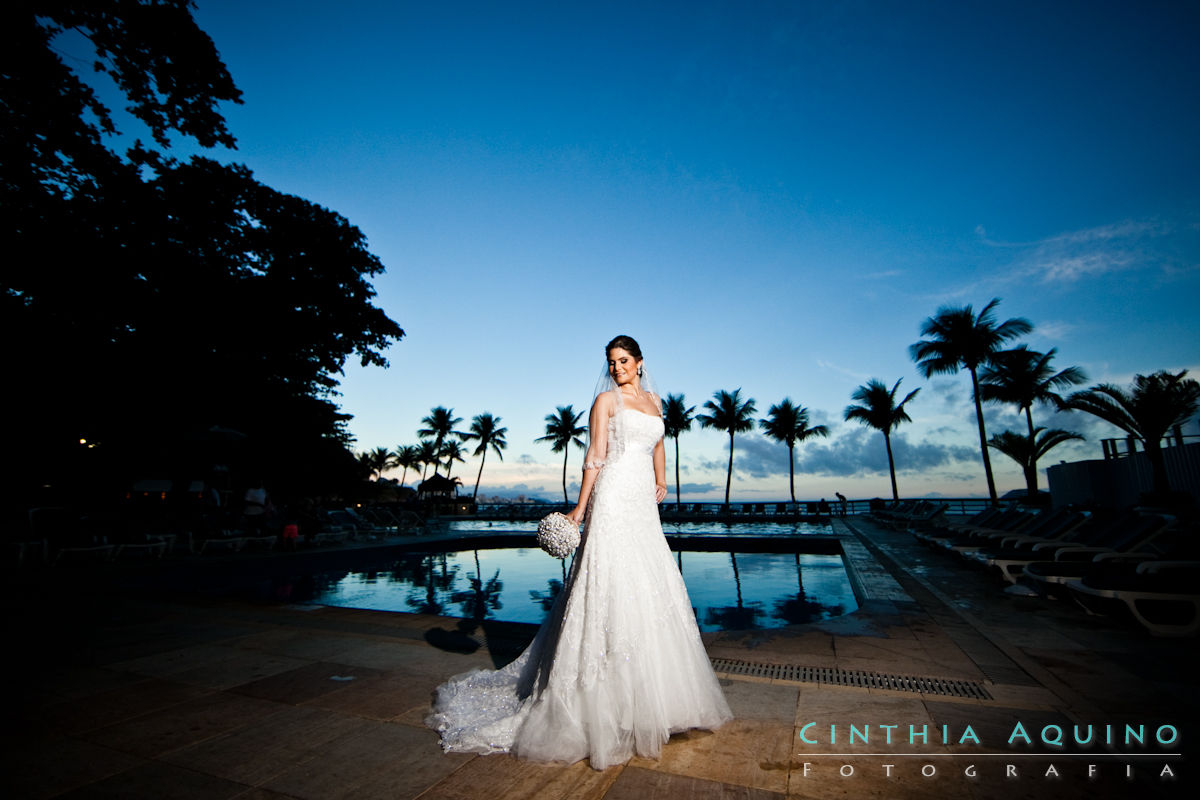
x: 729, y: 591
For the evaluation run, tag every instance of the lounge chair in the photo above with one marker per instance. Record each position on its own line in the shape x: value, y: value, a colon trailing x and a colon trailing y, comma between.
x: 1051, y: 577
x: 1076, y: 540
x: 1163, y: 596
x: 69, y: 536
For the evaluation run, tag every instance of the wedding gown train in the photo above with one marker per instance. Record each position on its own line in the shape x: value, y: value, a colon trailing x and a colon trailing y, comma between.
x: 618, y: 666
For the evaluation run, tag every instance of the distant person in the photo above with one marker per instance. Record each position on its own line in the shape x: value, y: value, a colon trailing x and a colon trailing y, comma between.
x: 843, y: 504
x: 823, y: 508
x: 618, y: 665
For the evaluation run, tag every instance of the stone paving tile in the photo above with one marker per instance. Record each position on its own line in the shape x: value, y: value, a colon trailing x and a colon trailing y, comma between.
x: 870, y: 779
x: 155, y: 780
x: 381, y: 697
x: 635, y: 783
x: 745, y: 752
x: 305, y: 683
x: 214, y: 666
x: 370, y: 760
x: 300, y: 645
x: 48, y: 766
x: 158, y: 732
x: 503, y: 777
x: 257, y: 752
x: 773, y: 702
x: 115, y: 705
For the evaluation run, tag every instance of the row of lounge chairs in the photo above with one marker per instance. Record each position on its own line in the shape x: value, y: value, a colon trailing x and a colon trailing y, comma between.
x: 1144, y: 564
x: 911, y: 514
x: 57, y: 535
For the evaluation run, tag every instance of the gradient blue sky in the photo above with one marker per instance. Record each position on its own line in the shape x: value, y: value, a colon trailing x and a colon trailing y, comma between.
x: 767, y: 195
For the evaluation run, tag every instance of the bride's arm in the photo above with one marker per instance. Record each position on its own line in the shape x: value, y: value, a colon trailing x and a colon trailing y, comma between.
x: 596, y: 453
x: 660, y: 472
x: 660, y: 462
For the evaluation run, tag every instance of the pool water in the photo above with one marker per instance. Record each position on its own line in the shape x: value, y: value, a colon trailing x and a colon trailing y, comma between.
x: 728, y: 590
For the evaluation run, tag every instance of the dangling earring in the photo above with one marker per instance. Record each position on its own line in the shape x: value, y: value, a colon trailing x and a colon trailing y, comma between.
x: 639, y: 372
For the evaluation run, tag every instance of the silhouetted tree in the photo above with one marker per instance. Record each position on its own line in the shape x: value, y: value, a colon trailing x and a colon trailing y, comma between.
x: 379, y: 461
x: 486, y: 430
x: 879, y: 410
x: 958, y: 339
x: 1027, y: 450
x: 408, y: 457
x: 788, y: 423
x: 727, y: 412
x: 677, y: 419
x: 197, y: 296
x: 1147, y: 410
x: 440, y: 425
x: 1023, y: 377
x: 563, y: 428
x: 452, y: 451
x: 429, y: 455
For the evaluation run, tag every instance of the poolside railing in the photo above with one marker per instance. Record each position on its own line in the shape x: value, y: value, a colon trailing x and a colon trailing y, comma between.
x: 779, y: 510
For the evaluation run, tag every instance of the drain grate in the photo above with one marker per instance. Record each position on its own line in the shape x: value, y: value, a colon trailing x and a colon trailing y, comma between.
x: 854, y: 677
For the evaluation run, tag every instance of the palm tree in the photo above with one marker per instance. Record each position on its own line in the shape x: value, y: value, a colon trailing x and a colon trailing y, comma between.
x: 408, y: 457
x: 957, y: 339
x: 1026, y: 450
x: 429, y: 453
x: 727, y: 412
x: 487, y: 431
x: 788, y: 423
x: 379, y: 461
x: 452, y: 451
x: 677, y: 418
x: 1023, y: 377
x: 563, y: 428
x: 440, y: 425
x: 880, y: 411
x: 1155, y: 404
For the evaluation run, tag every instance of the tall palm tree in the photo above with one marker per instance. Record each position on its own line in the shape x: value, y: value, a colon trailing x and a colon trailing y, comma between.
x: 452, y: 451
x: 1155, y: 404
x: 379, y: 461
x: 429, y: 454
x: 727, y: 412
x: 408, y: 457
x: 563, y: 428
x: 1023, y: 377
x: 486, y: 430
x: 440, y: 425
x: 957, y: 339
x: 788, y: 423
x: 1026, y: 450
x: 880, y: 411
x: 677, y: 418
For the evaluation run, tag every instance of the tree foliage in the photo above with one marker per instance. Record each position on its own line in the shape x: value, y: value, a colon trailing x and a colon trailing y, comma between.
x: 958, y: 338
x: 878, y: 409
x: 147, y: 300
x: 728, y: 412
x: 1153, y: 405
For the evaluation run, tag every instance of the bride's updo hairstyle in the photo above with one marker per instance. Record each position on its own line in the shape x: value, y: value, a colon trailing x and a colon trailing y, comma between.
x: 625, y: 343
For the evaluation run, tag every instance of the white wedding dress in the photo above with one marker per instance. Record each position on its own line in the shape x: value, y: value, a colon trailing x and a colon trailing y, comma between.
x: 618, y: 666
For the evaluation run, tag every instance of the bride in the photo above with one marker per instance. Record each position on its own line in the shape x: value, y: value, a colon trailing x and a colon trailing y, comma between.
x: 618, y: 666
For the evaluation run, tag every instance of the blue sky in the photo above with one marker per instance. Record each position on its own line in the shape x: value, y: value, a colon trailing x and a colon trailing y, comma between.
x: 767, y: 195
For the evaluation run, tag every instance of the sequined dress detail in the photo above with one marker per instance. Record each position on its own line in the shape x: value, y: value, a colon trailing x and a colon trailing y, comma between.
x: 618, y: 665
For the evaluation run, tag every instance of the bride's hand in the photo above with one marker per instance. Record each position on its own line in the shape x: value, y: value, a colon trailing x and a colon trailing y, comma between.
x: 660, y: 492
x: 576, y: 515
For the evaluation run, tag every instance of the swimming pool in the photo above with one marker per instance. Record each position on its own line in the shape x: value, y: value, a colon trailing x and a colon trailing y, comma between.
x: 736, y: 579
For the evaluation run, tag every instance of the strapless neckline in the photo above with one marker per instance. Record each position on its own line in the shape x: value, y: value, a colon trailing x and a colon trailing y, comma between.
x: 643, y: 413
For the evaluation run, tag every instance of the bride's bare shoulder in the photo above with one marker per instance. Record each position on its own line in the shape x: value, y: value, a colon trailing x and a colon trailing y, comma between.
x: 603, y: 404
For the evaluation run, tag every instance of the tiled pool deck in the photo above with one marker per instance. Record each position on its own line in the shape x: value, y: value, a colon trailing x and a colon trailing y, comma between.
x: 120, y: 694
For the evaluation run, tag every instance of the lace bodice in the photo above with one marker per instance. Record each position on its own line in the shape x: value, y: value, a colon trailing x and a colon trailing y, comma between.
x: 641, y: 431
